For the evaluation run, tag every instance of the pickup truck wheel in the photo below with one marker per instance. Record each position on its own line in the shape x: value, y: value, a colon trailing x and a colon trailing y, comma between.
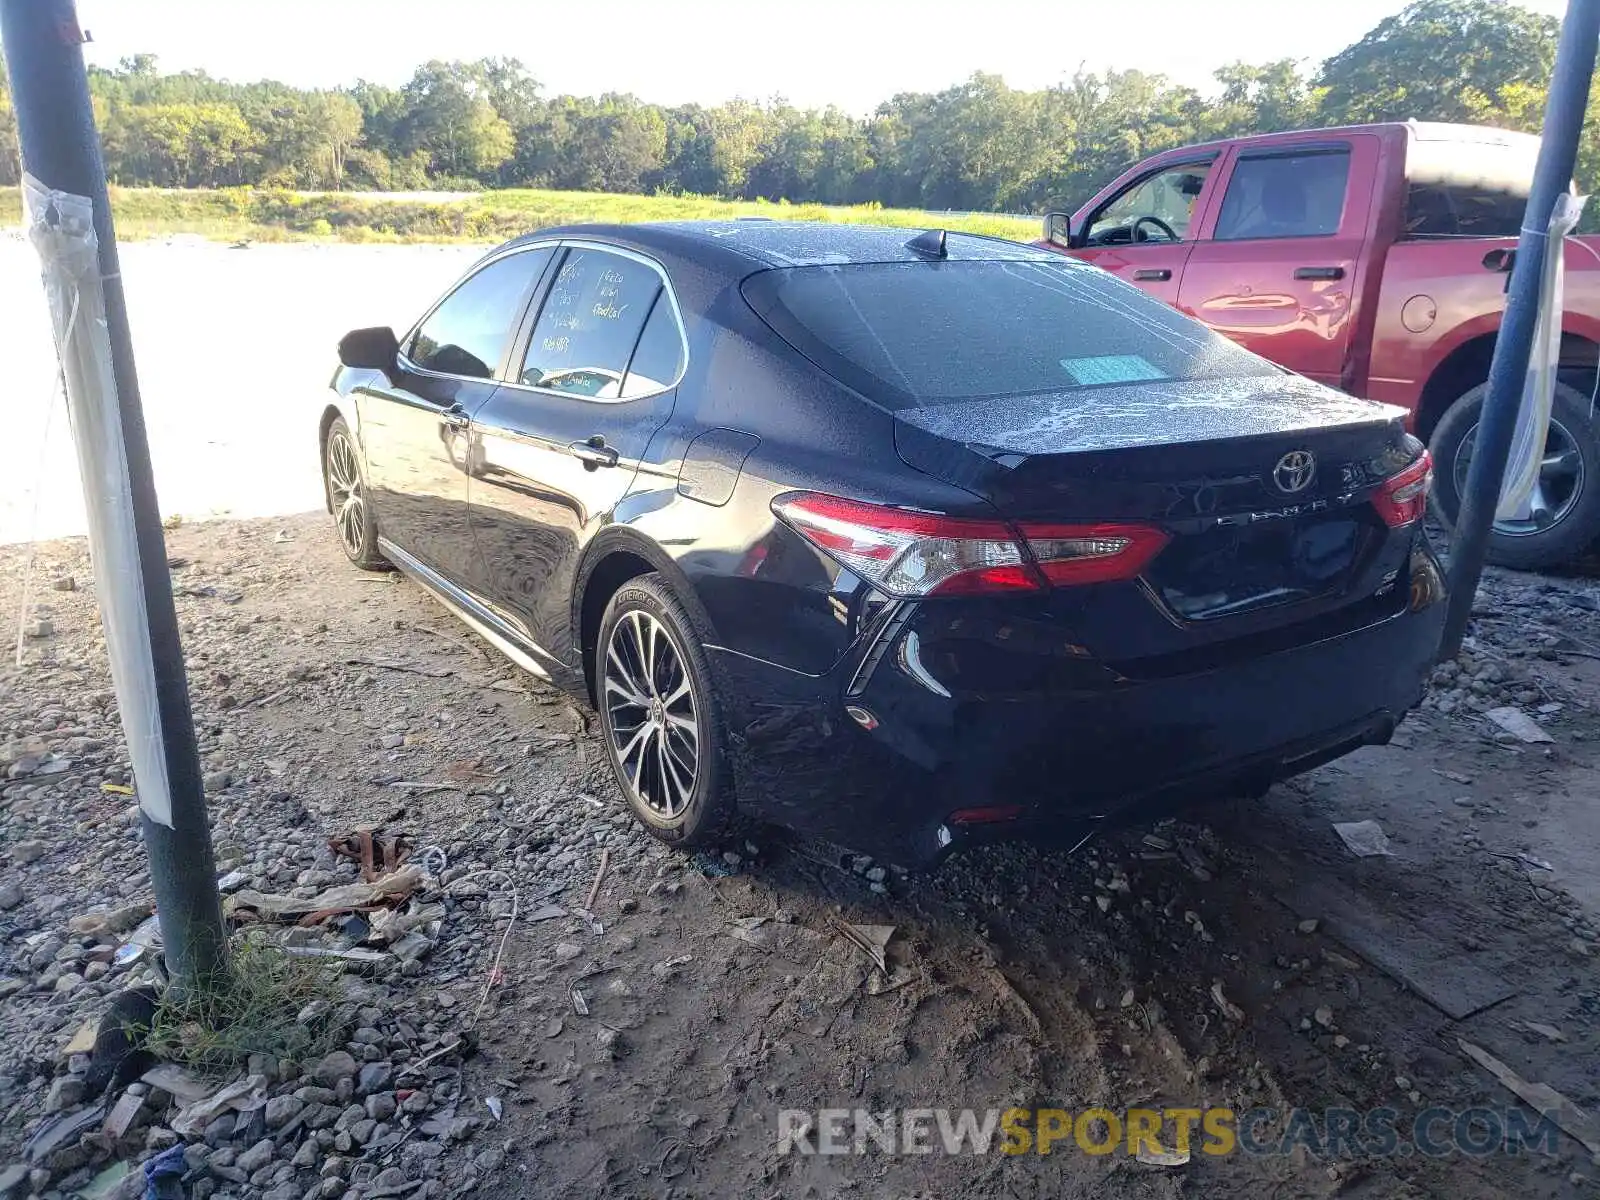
x: 1566, y: 501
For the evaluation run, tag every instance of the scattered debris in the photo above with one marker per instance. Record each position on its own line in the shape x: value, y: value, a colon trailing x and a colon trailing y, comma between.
x: 1364, y: 839
x: 1549, y: 1032
x: 378, y: 853
x: 350, y: 897
x: 1161, y: 1158
x: 871, y: 940
x: 1542, y: 1098
x: 599, y: 877
x: 1225, y: 1006
x: 242, y: 1095
x: 1518, y: 723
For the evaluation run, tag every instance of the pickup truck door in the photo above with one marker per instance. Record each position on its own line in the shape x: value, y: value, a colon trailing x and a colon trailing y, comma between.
x: 1279, y: 267
x: 1144, y: 231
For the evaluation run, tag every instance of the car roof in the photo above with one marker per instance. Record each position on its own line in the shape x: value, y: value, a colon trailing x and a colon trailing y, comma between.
x: 743, y: 246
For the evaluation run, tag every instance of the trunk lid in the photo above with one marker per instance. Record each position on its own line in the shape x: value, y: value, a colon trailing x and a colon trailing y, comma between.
x: 1263, y: 483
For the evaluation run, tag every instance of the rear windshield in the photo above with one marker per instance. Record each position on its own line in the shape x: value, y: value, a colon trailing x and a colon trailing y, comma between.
x: 911, y: 334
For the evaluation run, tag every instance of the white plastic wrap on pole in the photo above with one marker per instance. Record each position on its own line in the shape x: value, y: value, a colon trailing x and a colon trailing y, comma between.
x: 1539, y: 389
x: 61, y: 227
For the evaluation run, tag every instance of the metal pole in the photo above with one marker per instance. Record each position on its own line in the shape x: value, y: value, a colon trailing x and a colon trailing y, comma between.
x: 61, y: 150
x: 1558, y: 151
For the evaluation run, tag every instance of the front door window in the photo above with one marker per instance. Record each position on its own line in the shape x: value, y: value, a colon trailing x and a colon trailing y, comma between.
x: 1158, y: 208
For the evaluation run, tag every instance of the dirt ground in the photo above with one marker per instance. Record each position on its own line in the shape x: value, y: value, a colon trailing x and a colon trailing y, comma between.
x: 1016, y: 977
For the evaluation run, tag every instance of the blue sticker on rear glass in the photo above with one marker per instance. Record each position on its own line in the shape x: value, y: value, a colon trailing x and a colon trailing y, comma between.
x: 1111, y: 368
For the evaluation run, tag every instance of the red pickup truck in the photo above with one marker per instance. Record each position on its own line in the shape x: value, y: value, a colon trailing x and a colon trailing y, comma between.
x: 1373, y: 258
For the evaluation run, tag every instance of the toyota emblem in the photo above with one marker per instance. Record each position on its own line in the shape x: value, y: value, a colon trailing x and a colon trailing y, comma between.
x: 1295, y: 471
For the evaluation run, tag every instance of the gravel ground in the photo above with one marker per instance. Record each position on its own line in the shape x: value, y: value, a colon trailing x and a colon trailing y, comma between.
x: 642, y: 1044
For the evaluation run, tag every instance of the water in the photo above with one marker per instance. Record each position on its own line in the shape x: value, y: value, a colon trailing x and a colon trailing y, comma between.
x: 234, y: 351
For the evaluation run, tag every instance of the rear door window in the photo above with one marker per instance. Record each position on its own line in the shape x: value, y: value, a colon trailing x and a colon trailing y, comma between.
x: 909, y: 334
x: 1294, y: 194
x: 467, y: 333
x: 592, y: 317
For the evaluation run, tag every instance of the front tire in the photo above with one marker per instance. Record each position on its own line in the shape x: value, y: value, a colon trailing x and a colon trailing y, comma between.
x: 1567, y: 502
x: 347, y: 499
x: 660, y: 717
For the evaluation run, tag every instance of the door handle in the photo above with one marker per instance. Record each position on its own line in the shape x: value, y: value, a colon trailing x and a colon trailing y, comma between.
x: 456, y: 417
x: 594, y: 452
x: 1152, y: 273
x: 1319, y: 272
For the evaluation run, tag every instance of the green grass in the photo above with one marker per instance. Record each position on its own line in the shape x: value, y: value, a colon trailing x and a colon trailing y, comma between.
x: 231, y: 214
x: 252, y: 1011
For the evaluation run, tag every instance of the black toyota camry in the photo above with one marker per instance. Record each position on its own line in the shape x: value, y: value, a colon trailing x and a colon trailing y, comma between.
x: 903, y: 539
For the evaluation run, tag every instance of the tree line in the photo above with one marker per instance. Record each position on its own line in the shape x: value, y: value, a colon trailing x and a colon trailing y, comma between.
x: 979, y: 145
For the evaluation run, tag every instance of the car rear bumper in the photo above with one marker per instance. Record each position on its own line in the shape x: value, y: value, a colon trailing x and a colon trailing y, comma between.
x: 1052, y: 745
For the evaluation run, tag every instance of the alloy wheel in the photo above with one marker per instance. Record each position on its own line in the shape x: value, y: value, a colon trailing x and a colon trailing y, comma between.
x: 653, y: 714
x: 344, y: 485
x: 1555, y: 492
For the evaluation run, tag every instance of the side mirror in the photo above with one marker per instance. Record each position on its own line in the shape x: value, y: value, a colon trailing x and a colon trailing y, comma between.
x: 374, y: 349
x: 1058, y: 229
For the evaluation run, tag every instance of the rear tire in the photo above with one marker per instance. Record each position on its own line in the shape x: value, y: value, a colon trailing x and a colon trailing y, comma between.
x: 346, y: 486
x: 1573, y: 487
x: 660, y: 717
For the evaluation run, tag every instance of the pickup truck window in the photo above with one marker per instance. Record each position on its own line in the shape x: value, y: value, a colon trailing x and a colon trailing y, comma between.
x: 1158, y: 208
x: 1285, y: 195
x: 1460, y: 210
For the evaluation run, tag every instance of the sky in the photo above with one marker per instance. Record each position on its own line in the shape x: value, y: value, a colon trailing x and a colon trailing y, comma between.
x: 851, y: 53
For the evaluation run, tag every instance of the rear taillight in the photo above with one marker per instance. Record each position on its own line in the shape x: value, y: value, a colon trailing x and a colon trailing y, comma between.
x: 909, y: 553
x: 1074, y: 554
x: 1403, y: 497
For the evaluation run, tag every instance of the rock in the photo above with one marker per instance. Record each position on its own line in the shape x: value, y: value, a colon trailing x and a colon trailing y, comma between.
x: 159, y: 1138
x: 361, y: 1131
x: 392, y: 741
x: 63, y: 583
x: 381, y: 1105
x: 66, y: 1092
x: 375, y: 1077
x: 334, y: 1167
x: 10, y: 896
x: 12, y: 1177
x: 216, y: 781
x: 320, y: 1116
x: 387, y: 1178
x: 1324, y: 1017
x: 334, y: 1067
x: 1309, y: 926
x: 284, y: 1191
x: 28, y: 850
x: 219, y: 1130
x: 283, y: 1109
x: 70, y: 982
x: 258, y: 1156
x: 42, y: 628
x: 306, y: 1157
x: 567, y: 951
x: 314, y: 1095
x: 490, y: 1160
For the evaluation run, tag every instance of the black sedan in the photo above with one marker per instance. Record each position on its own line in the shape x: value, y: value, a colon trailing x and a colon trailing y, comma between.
x: 906, y: 540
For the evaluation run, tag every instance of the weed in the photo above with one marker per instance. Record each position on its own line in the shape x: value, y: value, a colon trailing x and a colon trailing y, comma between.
x: 253, y: 1011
